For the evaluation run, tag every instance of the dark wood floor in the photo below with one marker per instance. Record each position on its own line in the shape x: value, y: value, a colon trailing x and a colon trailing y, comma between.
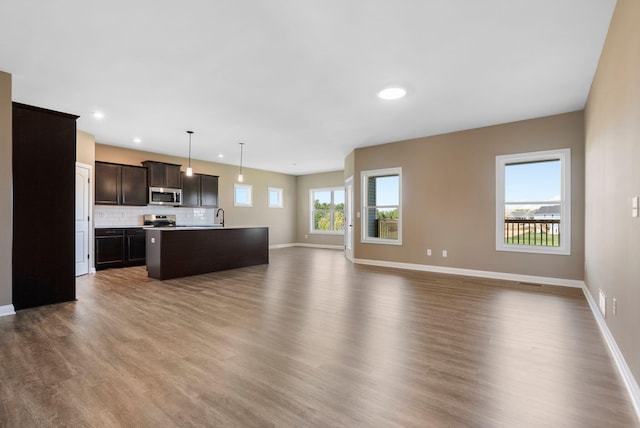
x: 309, y: 340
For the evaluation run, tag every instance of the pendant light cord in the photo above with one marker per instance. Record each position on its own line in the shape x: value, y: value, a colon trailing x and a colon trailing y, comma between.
x: 190, y: 133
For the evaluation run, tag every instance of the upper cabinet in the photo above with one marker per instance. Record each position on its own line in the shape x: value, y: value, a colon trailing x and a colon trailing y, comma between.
x: 191, y: 190
x: 200, y: 190
x: 163, y: 174
x: 120, y: 184
x: 209, y: 191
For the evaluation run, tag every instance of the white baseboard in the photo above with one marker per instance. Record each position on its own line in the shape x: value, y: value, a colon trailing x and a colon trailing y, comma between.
x: 574, y: 283
x: 276, y: 246
x: 329, y: 247
x: 7, y: 310
x: 299, y: 244
x: 623, y: 368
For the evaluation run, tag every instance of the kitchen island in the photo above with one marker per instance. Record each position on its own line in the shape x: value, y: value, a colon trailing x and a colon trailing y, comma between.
x: 174, y: 252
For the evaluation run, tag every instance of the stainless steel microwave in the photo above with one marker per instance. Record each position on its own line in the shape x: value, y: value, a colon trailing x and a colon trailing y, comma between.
x: 165, y: 196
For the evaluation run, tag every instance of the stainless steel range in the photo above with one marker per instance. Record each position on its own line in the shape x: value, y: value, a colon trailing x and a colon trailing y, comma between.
x: 160, y: 220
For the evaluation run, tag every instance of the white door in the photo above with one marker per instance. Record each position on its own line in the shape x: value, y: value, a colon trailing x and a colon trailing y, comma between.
x: 83, y: 218
x: 348, y: 206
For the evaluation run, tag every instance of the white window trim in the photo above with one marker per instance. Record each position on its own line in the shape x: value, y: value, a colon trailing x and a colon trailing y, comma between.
x: 312, y: 231
x: 564, y: 155
x: 249, y: 187
x: 280, y: 191
x: 364, y: 176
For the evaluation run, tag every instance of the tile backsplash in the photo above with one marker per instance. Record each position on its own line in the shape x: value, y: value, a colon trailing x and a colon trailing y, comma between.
x: 119, y: 216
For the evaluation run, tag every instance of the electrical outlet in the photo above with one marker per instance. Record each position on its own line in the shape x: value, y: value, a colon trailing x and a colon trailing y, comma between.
x: 306, y: 236
x: 444, y: 253
x: 614, y: 306
x: 429, y: 252
x: 602, y: 303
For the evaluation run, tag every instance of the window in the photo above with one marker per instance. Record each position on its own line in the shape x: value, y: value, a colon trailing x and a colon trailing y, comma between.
x: 275, y: 197
x: 382, y: 206
x: 242, y: 195
x: 533, y: 194
x: 327, y: 210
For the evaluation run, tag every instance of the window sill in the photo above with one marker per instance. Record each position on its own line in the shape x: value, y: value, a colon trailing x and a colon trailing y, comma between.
x: 381, y: 241
x: 534, y: 250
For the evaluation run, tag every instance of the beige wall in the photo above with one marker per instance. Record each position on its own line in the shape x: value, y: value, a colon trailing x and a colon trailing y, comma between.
x: 6, y: 189
x: 304, y: 184
x: 85, y: 147
x: 612, y: 241
x: 349, y: 165
x: 281, y: 221
x: 449, y: 198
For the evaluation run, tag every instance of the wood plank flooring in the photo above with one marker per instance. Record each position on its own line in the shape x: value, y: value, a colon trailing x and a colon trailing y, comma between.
x: 309, y: 340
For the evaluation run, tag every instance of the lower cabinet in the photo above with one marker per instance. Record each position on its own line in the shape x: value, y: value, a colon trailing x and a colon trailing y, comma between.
x: 135, y: 251
x: 119, y: 247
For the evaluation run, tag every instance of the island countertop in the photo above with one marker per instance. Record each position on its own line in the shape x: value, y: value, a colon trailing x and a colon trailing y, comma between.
x: 174, y: 252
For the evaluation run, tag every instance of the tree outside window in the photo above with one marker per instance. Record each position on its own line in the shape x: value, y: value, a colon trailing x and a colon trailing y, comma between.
x: 327, y: 210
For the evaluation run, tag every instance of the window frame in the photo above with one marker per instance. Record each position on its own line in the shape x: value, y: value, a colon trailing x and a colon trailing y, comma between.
x: 364, y: 179
x: 280, y: 192
x: 249, y: 188
x: 332, y: 211
x: 564, y: 229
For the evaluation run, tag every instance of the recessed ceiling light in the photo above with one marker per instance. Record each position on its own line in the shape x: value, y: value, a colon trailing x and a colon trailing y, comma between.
x: 137, y: 140
x: 392, y: 93
x: 98, y: 115
x: 220, y: 155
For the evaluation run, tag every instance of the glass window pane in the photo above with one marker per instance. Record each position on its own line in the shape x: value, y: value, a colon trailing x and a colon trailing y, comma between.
x: 533, y: 181
x: 387, y: 190
x: 327, y: 210
x: 338, y: 199
x: 338, y: 221
x: 242, y: 195
x: 322, y: 200
x: 274, y: 197
x: 322, y: 220
x: 372, y: 223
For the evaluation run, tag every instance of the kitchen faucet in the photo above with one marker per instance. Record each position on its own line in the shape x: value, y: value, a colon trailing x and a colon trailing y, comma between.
x: 218, y: 214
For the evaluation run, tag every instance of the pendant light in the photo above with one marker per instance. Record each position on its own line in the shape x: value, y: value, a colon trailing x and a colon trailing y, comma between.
x: 189, y: 170
x: 240, y: 176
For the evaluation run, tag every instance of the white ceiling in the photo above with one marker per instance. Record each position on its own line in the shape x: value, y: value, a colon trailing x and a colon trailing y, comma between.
x: 297, y: 80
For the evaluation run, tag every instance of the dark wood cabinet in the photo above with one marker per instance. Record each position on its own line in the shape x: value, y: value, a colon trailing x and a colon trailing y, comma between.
x: 119, y: 247
x: 134, y: 185
x: 176, y: 252
x: 200, y: 190
x: 44, y: 157
x: 135, y: 251
x: 109, y: 247
x: 163, y: 174
x: 191, y: 193
x: 107, y: 180
x: 209, y: 191
x: 118, y: 184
